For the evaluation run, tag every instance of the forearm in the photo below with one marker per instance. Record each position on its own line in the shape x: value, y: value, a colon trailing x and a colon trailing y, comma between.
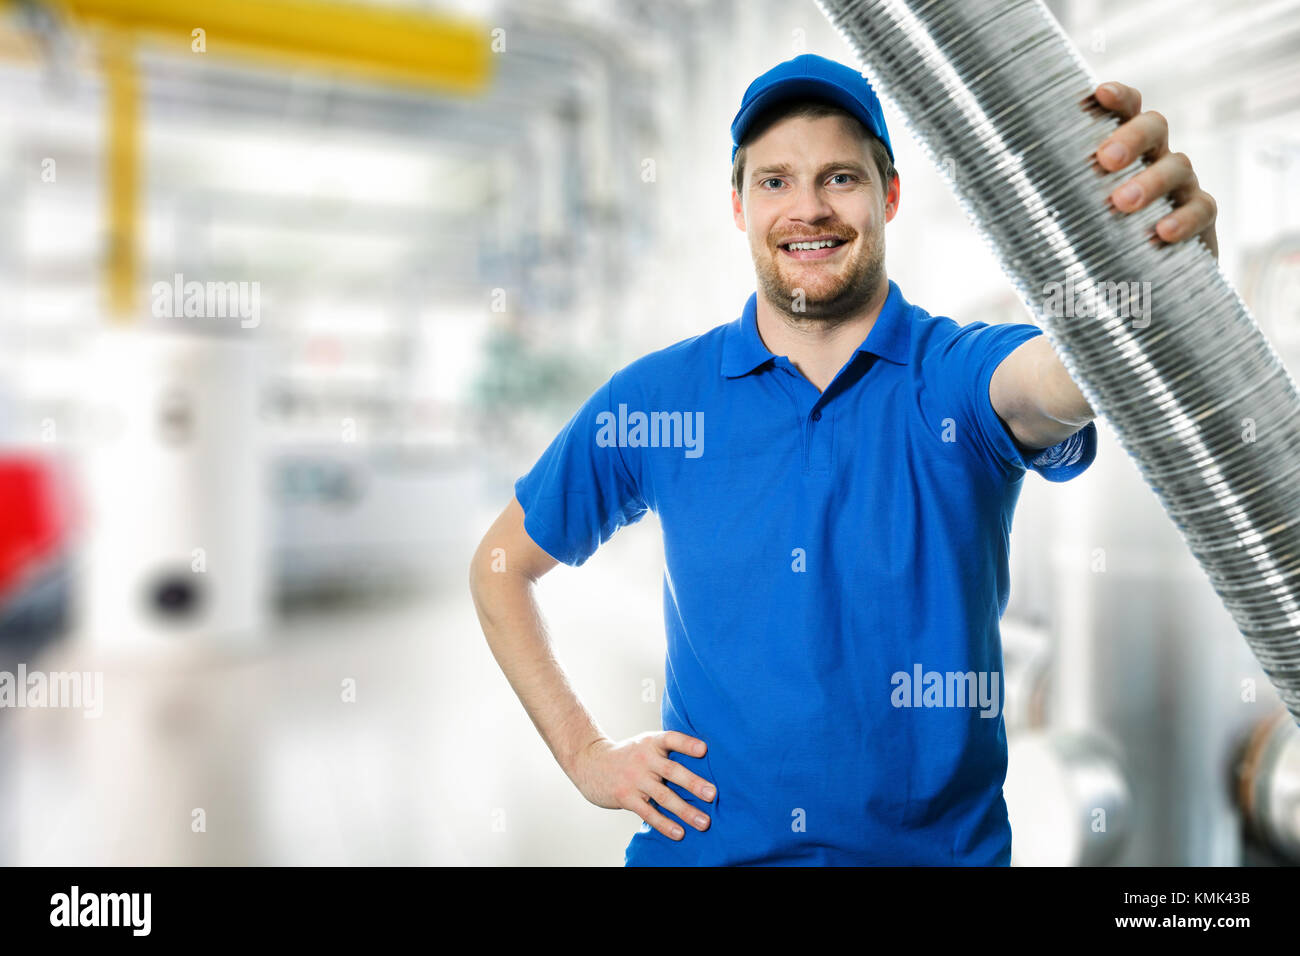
x: 516, y: 633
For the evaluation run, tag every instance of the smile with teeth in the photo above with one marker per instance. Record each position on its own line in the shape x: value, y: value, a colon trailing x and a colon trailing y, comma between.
x: 819, y: 244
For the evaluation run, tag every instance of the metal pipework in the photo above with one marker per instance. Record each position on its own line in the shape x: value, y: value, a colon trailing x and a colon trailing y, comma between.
x: 1268, y: 785
x: 1002, y: 103
x: 1068, y: 798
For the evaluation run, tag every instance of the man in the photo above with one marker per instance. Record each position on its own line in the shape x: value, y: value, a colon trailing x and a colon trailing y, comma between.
x: 835, y: 474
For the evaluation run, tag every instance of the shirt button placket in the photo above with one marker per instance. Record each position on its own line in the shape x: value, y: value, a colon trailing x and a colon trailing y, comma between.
x: 818, y: 443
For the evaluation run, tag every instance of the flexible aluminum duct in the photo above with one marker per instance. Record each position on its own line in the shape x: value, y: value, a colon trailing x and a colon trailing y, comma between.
x: 1001, y: 101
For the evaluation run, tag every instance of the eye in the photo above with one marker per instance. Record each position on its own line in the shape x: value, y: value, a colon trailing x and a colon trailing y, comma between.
x: 843, y: 176
x: 766, y: 181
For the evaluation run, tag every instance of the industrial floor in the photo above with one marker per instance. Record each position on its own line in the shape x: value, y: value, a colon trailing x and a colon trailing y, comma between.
x: 204, y: 756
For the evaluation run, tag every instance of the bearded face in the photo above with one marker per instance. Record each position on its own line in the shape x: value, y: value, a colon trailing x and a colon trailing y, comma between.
x: 835, y: 278
x: 815, y: 214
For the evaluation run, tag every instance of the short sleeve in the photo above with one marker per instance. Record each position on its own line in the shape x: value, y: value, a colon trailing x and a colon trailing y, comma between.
x: 971, y: 358
x: 580, y: 491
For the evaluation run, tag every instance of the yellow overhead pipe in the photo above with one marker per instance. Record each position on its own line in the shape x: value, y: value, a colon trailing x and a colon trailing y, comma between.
x: 403, y: 47
x: 392, y: 45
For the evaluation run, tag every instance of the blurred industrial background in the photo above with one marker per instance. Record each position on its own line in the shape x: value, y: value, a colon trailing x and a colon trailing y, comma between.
x: 291, y: 291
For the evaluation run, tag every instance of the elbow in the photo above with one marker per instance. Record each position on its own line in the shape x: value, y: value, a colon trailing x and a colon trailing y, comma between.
x: 1066, y: 402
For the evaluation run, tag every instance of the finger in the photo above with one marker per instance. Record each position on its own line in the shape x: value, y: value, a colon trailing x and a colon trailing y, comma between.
x: 646, y: 811
x: 1190, y: 219
x: 672, y: 770
x: 1168, y: 176
x: 1118, y: 98
x: 1146, y: 134
x: 681, y: 743
x: 676, y: 805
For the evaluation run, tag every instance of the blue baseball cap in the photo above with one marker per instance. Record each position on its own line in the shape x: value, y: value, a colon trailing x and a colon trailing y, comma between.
x: 809, y: 76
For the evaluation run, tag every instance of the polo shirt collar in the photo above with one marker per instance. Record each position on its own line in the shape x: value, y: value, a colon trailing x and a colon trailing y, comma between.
x: 890, y: 337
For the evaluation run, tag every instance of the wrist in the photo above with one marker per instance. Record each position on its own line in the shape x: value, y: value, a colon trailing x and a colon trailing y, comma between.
x: 572, y: 763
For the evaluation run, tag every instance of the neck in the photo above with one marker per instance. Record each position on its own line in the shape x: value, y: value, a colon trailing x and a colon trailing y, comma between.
x: 818, y: 347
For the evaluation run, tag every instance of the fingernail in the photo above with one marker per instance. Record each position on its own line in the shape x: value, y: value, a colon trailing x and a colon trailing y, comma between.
x: 1130, y: 195
x: 677, y: 831
x: 708, y: 793
x: 1110, y: 88
x: 1115, y: 153
x: 1169, y: 225
x: 700, y: 821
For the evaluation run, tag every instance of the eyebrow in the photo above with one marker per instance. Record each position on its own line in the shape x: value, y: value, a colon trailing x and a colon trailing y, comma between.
x: 785, y: 168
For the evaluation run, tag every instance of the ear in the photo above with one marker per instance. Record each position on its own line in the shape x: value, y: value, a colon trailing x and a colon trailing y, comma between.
x: 892, y: 196
x: 738, y: 210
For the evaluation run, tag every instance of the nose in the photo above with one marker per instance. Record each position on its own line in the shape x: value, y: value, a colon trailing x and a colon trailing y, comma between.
x: 808, y: 204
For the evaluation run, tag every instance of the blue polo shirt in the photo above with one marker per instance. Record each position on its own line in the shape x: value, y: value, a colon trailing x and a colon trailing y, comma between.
x: 836, y: 568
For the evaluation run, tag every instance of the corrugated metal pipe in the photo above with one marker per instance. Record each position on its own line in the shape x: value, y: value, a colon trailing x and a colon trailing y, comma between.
x: 1001, y: 101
